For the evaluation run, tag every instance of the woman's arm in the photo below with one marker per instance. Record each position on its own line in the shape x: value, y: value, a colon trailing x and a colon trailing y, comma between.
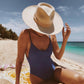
x: 22, y: 44
x: 59, y: 52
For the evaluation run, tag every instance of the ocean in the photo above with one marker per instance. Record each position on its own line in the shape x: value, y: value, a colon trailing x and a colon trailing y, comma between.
x: 76, y: 50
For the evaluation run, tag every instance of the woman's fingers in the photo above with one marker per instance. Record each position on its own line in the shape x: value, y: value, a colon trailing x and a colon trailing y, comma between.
x: 68, y: 28
x: 66, y: 33
x: 63, y: 31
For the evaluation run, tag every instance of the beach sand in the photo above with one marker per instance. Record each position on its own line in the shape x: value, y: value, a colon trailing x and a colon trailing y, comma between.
x: 8, y: 54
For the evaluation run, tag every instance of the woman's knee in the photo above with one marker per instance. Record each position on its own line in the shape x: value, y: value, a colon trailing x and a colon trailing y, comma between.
x: 79, y: 79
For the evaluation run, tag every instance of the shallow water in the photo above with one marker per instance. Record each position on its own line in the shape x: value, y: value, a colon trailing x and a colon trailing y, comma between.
x: 76, y: 49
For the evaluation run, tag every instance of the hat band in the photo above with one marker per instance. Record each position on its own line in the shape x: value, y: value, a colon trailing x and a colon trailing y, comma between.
x: 41, y: 24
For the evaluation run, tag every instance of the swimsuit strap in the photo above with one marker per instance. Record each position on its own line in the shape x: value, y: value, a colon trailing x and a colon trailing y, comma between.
x: 30, y: 37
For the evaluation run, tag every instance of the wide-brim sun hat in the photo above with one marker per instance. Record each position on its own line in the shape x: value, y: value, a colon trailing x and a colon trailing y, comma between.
x: 43, y: 18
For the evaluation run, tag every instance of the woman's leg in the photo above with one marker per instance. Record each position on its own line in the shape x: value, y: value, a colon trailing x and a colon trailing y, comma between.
x: 67, y: 76
x: 36, y: 80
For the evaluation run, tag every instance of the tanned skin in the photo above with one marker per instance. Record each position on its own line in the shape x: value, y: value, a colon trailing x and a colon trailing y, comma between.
x: 41, y: 41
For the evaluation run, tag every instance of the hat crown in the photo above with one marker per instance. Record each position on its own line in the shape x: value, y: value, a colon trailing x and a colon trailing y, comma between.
x: 46, y: 7
x: 44, y: 14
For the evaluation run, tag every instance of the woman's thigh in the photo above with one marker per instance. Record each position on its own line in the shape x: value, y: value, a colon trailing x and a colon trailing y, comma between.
x: 36, y: 80
x: 65, y: 75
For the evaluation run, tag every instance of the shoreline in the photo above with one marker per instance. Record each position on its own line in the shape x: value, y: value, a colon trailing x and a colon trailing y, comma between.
x: 74, y: 57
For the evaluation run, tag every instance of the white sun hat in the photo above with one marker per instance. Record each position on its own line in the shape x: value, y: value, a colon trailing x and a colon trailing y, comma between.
x: 43, y: 18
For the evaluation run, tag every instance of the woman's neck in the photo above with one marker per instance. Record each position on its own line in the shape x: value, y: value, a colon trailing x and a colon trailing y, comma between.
x: 39, y: 34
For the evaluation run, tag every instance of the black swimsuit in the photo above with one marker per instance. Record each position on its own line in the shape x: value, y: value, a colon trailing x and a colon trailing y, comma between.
x: 40, y: 61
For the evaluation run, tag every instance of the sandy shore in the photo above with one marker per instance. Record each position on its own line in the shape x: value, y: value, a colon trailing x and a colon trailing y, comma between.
x: 8, y: 54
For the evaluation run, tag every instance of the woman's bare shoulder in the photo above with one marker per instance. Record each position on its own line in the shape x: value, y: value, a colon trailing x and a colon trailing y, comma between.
x: 24, y: 35
x: 25, y: 32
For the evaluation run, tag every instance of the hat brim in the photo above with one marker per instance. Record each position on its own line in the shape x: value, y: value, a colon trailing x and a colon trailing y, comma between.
x: 28, y: 14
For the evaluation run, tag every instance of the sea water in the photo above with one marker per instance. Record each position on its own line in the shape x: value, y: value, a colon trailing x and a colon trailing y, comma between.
x: 76, y: 49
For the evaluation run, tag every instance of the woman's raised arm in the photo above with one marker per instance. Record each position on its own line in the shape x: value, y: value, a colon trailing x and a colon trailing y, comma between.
x: 59, y: 52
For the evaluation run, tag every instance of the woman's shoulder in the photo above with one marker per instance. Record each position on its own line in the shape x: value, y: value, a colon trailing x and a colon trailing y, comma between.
x: 25, y: 31
x: 24, y: 34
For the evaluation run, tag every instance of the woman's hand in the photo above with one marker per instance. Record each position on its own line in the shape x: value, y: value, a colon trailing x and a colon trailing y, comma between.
x: 17, y: 83
x: 66, y: 33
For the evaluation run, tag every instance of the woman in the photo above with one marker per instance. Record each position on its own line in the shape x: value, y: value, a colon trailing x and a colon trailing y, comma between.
x: 39, y: 42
